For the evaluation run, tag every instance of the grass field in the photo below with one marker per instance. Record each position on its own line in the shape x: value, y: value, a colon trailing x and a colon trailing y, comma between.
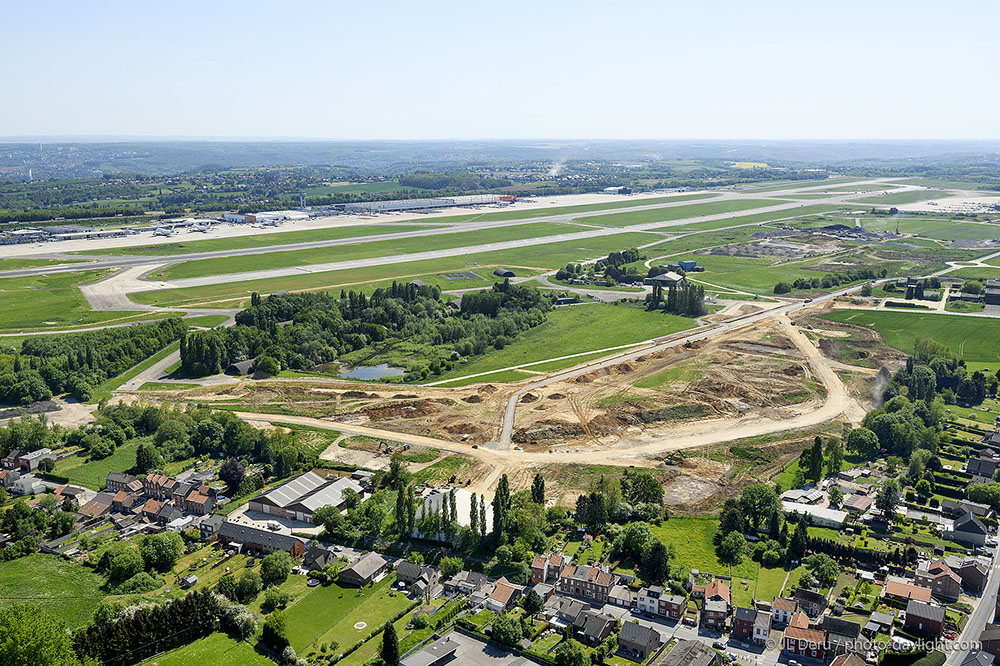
x: 51, y: 301
x: 217, y: 649
x: 576, y: 329
x: 239, y: 264
x: 976, y: 273
x: 755, y: 218
x: 206, y: 320
x: 676, y: 212
x: 258, y: 240
x: 12, y: 264
x: 67, y: 590
x: 91, y: 474
x: 329, y: 613
x: 552, y: 255
x: 971, y: 338
x: 902, y: 197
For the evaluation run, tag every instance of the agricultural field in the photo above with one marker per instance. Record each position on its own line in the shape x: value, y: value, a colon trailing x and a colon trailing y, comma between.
x: 606, y: 326
x: 69, y: 591
x: 971, y: 338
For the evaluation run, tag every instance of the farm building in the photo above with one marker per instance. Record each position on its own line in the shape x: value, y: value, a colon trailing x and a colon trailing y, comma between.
x: 503, y: 272
x: 250, y: 539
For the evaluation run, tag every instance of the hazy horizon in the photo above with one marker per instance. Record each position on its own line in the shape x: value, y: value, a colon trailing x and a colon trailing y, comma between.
x: 456, y: 71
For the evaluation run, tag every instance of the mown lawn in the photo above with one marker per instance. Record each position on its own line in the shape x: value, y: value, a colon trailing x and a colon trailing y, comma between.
x: 329, y: 613
x: 69, y: 591
x: 677, y: 212
x: 971, y: 338
x: 217, y: 649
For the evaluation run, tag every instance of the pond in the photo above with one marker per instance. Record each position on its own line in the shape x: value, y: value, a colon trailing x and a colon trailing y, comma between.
x: 372, y: 372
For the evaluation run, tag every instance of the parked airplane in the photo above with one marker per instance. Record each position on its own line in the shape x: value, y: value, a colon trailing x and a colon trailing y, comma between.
x: 163, y: 231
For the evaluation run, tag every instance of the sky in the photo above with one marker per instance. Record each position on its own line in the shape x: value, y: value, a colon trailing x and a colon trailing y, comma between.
x: 441, y: 70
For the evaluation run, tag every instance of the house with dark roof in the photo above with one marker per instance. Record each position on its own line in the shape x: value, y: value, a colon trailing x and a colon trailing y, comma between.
x: 465, y: 583
x: 689, y: 652
x: 9, y: 461
x: 743, y: 622
x: 841, y: 635
x: 813, y: 603
x: 989, y: 640
x: 319, y: 556
x: 592, y: 627
x: 977, y: 658
x: 637, y: 641
x: 622, y: 596
x: 971, y: 571
x: 417, y: 577
x: 958, y: 508
x: 563, y: 611
x: 924, y: 618
x: 251, y: 539
x: 969, y: 529
x: 985, y: 462
x: 117, y: 482
x: 208, y: 526
x: 364, y: 570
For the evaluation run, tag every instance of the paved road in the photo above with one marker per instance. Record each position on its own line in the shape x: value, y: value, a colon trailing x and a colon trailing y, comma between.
x: 982, y: 614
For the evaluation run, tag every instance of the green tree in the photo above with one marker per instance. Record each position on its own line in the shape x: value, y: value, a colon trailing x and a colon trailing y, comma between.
x: 506, y: 630
x: 124, y: 565
x: 501, y: 508
x: 923, y: 489
x: 274, y: 568
x: 538, y: 489
x: 823, y: 567
x: 864, y: 442
x: 731, y: 518
x: 532, y: 603
x: 147, y: 458
x: 657, y: 563
x: 799, y: 541
x: 275, y: 632
x: 248, y: 587
x: 30, y: 636
x: 161, y: 551
x: 732, y: 548
x: 887, y: 499
x: 816, y: 459
x: 390, y: 645
x: 636, y: 537
x: 758, y: 501
x: 836, y: 496
x: 449, y: 566
x: 570, y: 653
x: 834, y: 456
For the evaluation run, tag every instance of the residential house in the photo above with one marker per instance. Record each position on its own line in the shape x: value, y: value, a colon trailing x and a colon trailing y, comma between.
x: 586, y: 581
x: 716, y: 590
x: 319, y: 556
x: 878, y: 623
x: 592, y: 627
x: 842, y: 636
x: 27, y: 484
x: 546, y: 568
x: 637, y: 641
x: 208, y: 526
x: 973, y: 572
x: 363, y: 571
x: 250, y: 539
x: 743, y: 623
x: 652, y: 601
x: 98, y: 506
x: 465, y: 583
x: 902, y: 591
x: 198, y: 503
x: 938, y: 577
x: 714, y: 614
x: 969, y: 529
x: 958, y: 508
x: 689, y: 652
x: 849, y: 659
x: 813, y: 603
x: 977, y: 658
x: 989, y: 640
x: 116, y: 482
x: 782, y: 609
x: 29, y: 462
x: 9, y: 461
x: 544, y: 591
x: 762, y: 627
x: 802, y: 641
x: 504, y: 594
x: 168, y: 513
x: 620, y: 595
x: 159, y: 486
x: 563, y: 611
x: 984, y: 463
x: 924, y: 618
x: 8, y: 477
x: 418, y: 577
x: 71, y: 493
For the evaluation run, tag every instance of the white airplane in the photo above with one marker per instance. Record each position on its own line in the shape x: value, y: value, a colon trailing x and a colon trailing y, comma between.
x: 201, y: 228
x: 163, y: 231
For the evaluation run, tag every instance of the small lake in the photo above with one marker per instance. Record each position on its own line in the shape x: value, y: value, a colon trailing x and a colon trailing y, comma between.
x: 372, y: 372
